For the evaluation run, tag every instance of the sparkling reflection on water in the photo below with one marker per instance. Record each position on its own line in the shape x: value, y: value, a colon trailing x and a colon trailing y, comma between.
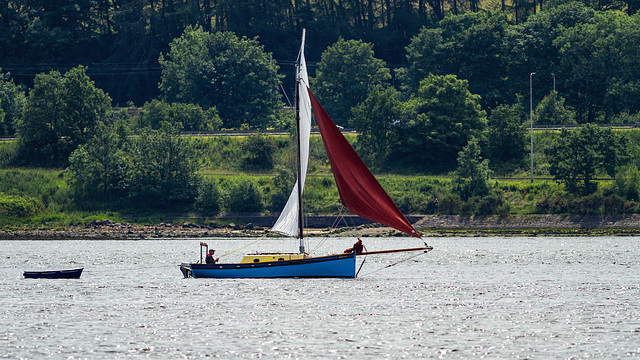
x: 510, y: 298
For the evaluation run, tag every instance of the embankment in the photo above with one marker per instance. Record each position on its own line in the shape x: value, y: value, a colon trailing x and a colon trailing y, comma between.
x: 428, y: 226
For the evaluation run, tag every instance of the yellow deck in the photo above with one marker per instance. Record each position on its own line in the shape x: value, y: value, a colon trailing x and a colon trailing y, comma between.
x: 250, y: 259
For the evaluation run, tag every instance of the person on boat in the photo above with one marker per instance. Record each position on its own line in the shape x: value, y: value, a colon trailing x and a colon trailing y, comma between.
x: 357, y: 247
x: 209, y: 259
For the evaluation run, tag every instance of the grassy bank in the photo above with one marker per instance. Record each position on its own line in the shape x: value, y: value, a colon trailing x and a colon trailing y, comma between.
x: 40, y: 198
x: 32, y: 198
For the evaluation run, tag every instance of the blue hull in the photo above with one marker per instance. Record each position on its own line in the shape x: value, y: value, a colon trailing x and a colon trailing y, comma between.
x: 57, y: 274
x: 333, y: 266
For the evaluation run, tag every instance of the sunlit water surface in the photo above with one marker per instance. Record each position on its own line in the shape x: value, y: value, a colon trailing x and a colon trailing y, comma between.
x: 510, y: 298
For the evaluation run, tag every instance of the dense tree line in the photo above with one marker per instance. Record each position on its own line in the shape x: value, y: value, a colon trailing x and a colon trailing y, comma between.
x: 200, y: 53
x: 458, y: 102
x: 121, y: 40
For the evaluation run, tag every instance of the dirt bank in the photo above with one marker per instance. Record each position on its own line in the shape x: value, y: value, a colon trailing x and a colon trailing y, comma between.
x: 428, y: 226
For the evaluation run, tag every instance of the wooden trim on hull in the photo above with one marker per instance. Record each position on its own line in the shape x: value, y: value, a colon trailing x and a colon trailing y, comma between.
x: 332, y: 266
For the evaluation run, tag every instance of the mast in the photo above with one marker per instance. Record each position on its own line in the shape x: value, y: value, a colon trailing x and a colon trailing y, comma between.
x: 298, y: 81
x: 290, y: 221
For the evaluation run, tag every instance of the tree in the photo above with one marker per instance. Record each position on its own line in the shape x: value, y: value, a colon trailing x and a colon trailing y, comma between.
x: 374, y: 119
x: 577, y: 156
x: 470, y: 46
x: 164, y: 167
x: 472, y: 176
x: 507, y: 135
x: 12, y: 102
x: 61, y: 113
x: 346, y: 73
x: 191, y: 116
x: 437, y: 123
x: 220, y: 70
x: 531, y: 46
x: 627, y: 183
x: 98, y: 170
x: 551, y: 110
x: 600, y: 62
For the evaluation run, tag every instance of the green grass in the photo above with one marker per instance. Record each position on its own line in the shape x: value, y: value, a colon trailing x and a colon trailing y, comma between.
x: 414, y: 193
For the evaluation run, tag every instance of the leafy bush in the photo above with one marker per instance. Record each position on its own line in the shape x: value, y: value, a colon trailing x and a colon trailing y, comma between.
x: 8, y: 153
x: 258, y: 153
x: 209, y: 196
x: 485, y: 205
x: 14, y: 205
x: 243, y: 195
x: 279, y: 188
x: 191, y: 116
x: 627, y: 183
x: 450, y: 204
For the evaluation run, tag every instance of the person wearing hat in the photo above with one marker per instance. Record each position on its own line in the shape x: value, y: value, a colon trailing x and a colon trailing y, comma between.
x: 209, y: 259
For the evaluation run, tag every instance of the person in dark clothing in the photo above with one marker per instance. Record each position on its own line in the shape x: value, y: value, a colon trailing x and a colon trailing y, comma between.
x: 209, y: 259
x: 357, y: 248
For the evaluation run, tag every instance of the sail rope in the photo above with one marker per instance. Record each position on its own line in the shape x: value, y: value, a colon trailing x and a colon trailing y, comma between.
x: 363, y: 261
x: 333, y: 226
x: 244, y: 246
x: 93, y: 270
x: 398, y: 262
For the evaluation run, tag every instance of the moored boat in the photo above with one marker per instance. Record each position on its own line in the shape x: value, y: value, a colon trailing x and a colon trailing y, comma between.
x: 54, y: 274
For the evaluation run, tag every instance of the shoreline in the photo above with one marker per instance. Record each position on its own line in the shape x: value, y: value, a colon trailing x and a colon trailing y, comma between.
x: 427, y: 226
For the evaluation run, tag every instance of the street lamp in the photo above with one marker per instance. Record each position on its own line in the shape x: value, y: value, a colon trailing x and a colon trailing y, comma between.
x: 531, y: 114
x: 554, y: 81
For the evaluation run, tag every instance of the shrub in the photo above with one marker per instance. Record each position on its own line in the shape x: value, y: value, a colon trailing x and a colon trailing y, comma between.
x: 614, y: 204
x: 486, y: 205
x: 243, y: 195
x: 14, y: 205
x: 450, y: 204
x: 258, y: 153
x: 208, y: 199
x: 627, y: 183
x: 279, y: 188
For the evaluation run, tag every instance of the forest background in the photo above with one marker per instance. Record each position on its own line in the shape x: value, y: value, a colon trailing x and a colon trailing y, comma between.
x: 439, y: 97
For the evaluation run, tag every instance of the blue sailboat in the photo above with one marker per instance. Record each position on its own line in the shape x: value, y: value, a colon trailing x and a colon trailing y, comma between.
x: 359, y: 191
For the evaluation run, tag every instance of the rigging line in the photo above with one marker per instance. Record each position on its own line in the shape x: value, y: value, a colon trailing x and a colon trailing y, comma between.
x: 363, y: 261
x: 92, y: 270
x: 244, y: 246
x: 285, y: 94
x: 340, y: 217
x: 333, y: 227
x: 320, y: 243
x: 398, y: 262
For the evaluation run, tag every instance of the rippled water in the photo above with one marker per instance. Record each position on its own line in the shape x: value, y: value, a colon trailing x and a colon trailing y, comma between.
x: 510, y: 298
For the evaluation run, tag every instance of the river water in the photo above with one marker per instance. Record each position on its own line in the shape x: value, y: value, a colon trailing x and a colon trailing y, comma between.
x: 508, y: 298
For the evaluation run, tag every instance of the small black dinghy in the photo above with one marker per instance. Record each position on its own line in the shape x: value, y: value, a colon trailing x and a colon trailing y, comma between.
x: 54, y: 274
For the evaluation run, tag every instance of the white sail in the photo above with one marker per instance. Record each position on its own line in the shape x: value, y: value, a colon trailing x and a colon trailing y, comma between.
x: 287, y: 223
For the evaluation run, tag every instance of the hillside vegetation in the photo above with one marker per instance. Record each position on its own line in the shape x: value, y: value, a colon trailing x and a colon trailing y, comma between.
x: 231, y: 183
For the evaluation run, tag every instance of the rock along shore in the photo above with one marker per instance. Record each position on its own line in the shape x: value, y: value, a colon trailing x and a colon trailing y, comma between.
x: 428, y: 226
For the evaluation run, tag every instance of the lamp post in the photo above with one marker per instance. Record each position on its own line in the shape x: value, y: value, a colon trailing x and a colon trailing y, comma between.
x: 554, y: 81
x: 531, y: 115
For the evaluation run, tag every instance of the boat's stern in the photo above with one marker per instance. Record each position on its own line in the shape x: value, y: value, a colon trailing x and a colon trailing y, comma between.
x: 186, y: 270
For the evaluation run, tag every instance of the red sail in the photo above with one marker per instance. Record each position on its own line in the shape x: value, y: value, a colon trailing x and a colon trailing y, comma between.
x: 359, y: 190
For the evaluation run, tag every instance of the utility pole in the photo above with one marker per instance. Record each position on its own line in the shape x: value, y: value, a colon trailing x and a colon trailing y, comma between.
x: 531, y: 115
